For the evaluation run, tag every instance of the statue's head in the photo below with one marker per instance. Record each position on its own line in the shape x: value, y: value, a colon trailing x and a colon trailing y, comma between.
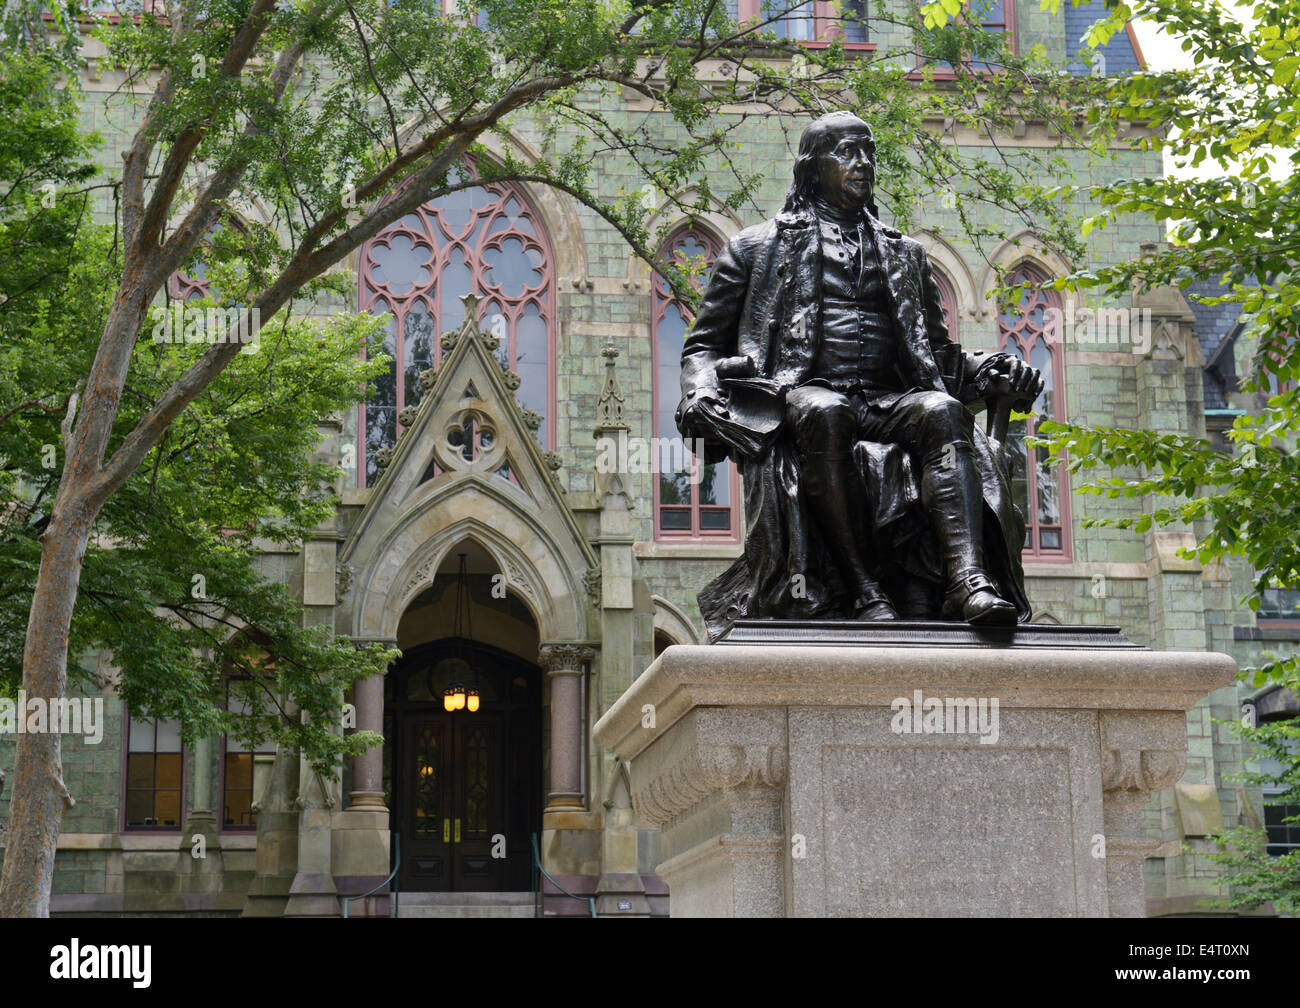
x: 836, y: 162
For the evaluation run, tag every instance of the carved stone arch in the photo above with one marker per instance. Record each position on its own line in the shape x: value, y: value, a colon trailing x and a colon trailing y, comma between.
x: 539, y: 575
x: 243, y: 206
x: 672, y: 622
x: 1025, y: 247
x: 427, y: 500
x: 422, y: 567
x: 953, y: 267
x: 720, y: 223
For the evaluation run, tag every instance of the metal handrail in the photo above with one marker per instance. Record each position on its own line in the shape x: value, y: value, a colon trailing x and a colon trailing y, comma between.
x: 537, y: 889
x: 397, y: 863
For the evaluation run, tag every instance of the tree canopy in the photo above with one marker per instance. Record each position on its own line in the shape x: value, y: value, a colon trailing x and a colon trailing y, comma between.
x: 171, y: 583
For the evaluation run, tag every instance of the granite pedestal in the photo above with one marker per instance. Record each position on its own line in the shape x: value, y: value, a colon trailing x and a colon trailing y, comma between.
x: 942, y: 773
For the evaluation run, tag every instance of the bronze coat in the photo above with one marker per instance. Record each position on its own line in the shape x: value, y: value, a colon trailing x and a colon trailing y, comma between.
x: 763, y: 301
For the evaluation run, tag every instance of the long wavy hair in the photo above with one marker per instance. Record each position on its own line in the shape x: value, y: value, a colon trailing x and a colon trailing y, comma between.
x: 820, y: 136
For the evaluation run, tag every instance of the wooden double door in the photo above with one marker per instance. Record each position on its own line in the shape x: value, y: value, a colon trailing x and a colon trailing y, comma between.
x: 466, y: 786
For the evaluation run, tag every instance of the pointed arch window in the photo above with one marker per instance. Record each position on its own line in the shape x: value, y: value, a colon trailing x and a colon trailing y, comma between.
x: 948, y: 299
x: 1042, y: 493
x: 487, y: 240
x: 190, y: 286
x: 692, y: 501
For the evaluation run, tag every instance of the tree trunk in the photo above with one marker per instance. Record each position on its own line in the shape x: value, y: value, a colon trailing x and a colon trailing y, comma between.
x: 39, y: 794
x: 37, y: 789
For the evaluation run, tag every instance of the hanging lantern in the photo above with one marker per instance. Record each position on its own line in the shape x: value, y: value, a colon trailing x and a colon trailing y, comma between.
x: 458, y: 696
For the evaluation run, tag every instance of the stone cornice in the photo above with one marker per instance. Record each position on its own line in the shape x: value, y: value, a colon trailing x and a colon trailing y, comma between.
x: 687, y: 676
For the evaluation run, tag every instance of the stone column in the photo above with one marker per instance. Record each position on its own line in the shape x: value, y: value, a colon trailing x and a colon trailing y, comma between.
x: 203, y: 811
x: 362, y: 841
x: 277, y: 841
x: 368, y: 768
x: 564, y: 665
x: 200, y: 864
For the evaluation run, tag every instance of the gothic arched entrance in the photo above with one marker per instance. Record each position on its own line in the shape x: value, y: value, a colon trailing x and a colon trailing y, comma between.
x: 465, y: 788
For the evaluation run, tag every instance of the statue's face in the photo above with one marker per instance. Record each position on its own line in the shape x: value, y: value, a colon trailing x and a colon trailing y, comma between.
x: 847, y: 172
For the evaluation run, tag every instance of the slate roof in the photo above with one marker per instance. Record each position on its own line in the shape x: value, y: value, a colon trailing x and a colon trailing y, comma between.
x: 1120, y: 57
x: 1214, y: 324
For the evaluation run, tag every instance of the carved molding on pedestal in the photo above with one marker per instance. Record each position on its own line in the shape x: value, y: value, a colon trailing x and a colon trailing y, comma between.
x: 1140, y: 772
x: 703, y: 772
x: 1128, y: 779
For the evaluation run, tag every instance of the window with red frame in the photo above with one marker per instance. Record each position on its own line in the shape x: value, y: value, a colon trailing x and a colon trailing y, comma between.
x: 995, y: 17
x: 693, y: 501
x: 1041, y: 492
x: 489, y: 241
x: 154, y: 773
x: 814, y: 21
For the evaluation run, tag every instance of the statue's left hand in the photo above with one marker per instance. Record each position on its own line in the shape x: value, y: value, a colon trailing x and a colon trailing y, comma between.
x: 1005, y: 375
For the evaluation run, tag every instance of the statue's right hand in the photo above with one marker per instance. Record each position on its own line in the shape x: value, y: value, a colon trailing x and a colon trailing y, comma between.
x: 698, y: 410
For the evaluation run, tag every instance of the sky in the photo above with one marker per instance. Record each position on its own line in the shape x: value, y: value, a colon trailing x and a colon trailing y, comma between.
x: 1160, y: 48
x: 1163, y: 52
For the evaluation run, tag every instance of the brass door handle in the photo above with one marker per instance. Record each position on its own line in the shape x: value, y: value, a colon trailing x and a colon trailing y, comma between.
x: 458, y: 831
x: 446, y: 831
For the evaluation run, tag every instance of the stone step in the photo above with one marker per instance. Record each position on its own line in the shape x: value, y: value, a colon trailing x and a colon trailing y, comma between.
x: 464, y: 905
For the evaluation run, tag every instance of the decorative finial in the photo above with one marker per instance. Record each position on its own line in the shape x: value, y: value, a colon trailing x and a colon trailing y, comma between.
x: 609, y: 408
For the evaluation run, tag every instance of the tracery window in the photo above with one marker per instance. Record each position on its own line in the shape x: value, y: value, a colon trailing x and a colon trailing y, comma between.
x: 194, y: 285
x: 1042, y: 493
x: 693, y: 501
x: 189, y: 287
x: 488, y: 240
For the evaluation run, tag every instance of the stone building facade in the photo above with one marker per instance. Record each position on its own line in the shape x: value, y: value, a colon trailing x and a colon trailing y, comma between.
x: 525, y: 333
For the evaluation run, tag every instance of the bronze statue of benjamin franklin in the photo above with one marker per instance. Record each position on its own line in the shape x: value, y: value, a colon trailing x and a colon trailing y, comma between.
x: 820, y: 362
